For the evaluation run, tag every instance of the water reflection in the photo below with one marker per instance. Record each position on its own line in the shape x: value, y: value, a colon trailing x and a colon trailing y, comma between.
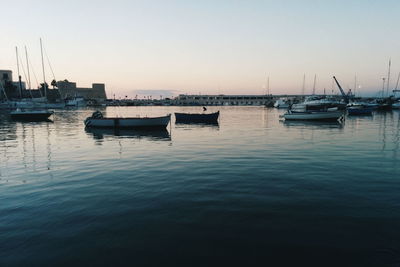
x: 8, y: 131
x: 314, y: 124
x: 212, y: 126
x: 154, y: 135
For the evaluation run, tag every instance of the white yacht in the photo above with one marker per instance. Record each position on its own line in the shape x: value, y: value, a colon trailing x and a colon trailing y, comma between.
x: 282, y: 103
x: 76, y: 102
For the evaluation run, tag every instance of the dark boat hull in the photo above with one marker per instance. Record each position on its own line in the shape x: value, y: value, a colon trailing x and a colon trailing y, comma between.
x: 197, y: 118
x: 31, y: 117
x: 359, y: 111
x: 384, y: 107
x: 129, y: 123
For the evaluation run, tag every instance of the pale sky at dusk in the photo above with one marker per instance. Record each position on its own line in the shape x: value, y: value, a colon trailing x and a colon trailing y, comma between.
x: 226, y: 47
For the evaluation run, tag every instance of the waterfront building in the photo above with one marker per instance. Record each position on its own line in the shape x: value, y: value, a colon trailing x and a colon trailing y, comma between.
x: 222, y: 100
x: 11, y: 87
x: 69, y: 89
x: 5, y: 76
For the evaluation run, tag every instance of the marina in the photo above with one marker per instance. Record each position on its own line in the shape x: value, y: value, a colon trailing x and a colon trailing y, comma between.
x: 200, y: 133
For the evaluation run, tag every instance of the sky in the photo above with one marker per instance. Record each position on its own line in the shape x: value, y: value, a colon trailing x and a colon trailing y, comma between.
x: 207, y: 47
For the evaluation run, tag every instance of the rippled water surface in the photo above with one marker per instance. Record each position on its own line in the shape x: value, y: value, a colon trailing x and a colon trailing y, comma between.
x: 252, y: 190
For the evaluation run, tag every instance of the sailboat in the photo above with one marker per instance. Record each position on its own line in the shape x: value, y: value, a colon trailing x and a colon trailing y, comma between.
x: 386, y: 102
x: 37, y: 112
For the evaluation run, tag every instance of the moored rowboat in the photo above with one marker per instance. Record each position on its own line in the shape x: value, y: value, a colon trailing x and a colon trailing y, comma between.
x: 197, y: 117
x: 97, y: 120
x: 31, y: 115
x: 316, y: 116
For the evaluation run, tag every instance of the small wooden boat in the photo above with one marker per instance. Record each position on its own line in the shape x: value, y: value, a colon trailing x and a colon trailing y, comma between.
x: 197, y: 117
x: 97, y: 120
x: 31, y: 115
x: 315, y: 116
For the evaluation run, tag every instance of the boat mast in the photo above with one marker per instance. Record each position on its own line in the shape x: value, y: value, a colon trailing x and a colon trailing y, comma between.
x: 27, y: 65
x: 19, y: 76
x: 44, y: 75
x: 383, y: 86
x: 355, y: 85
x: 388, y: 78
x: 268, y: 92
x: 304, y: 84
x: 315, y: 80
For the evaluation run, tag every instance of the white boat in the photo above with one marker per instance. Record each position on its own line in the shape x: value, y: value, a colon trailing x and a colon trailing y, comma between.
x: 76, y: 102
x: 315, y: 116
x: 31, y: 115
x: 318, y: 101
x: 97, y: 120
x: 282, y: 103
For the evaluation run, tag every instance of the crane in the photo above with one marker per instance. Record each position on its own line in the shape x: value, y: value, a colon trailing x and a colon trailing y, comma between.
x: 345, y: 97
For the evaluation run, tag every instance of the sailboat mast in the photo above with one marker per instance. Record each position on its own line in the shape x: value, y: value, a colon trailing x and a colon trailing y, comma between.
x: 383, y: 86
x: 388, y: 78
x: 19, y: 76
x: 304, y: 84
x: 27, y: 65
x: 315, y: 80
x: 355, y: 85
x: 268, y: 92
x: 44, y: 75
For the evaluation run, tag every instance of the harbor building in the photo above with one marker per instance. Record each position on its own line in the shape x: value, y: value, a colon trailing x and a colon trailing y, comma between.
x: 222, y: 100
x: 5, y: 76
x: 69, y: 89
x: 12, y: 88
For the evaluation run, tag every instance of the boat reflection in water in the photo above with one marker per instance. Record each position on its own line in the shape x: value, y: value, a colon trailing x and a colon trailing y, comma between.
x: 193, y: 125
x: 314, y: 124
x: 153, y: 135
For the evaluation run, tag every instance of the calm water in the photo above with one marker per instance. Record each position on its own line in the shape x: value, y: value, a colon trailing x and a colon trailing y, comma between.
x: 251, y: 191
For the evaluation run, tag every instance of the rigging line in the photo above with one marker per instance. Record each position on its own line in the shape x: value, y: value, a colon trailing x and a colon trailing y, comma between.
x: 23, y: 71
x: 397, y: 83
x: 48, y: 61
x: 36, y: 79
x: 27, y: 66
x: 51, y: 69
x: 19, y: 76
